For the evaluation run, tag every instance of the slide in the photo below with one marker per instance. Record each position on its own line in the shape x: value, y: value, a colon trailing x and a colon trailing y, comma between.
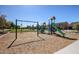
x: 57, y: 29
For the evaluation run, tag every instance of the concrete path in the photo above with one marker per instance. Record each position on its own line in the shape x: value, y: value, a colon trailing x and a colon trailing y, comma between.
x: 71, y: 49
x: 3, y: 35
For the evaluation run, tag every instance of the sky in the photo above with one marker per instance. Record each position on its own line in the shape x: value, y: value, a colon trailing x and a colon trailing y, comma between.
x: 41, y: 13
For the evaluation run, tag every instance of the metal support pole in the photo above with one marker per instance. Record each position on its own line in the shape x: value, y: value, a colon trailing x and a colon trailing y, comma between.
x: 15, y: 35
x: 37, y: 29
x: 51, y: 27
x: 21, y: 28
x: 16, y: 30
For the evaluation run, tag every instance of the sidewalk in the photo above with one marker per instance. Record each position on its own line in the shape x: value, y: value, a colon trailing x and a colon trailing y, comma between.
x: 71, y: 49
x: 3, y: 35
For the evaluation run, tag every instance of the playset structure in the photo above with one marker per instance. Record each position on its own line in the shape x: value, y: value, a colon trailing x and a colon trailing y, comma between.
x: 52, y: 28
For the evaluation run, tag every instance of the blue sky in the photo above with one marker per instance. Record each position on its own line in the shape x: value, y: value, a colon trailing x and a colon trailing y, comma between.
x: 41, y: 13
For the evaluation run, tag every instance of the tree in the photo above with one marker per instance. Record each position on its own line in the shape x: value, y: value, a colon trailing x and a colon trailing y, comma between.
x: 63, y: 25
x: 7, y: 25
x: 4, y: 24
x: 12, y: 25
x: 33, y: 27
x: 2, y: 21
x: 76, y: 27
x: 28, y: 27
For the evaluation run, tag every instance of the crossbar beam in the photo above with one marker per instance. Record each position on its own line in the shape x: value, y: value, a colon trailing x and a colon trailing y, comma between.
x: 27, y: 21
x: 16, y: 30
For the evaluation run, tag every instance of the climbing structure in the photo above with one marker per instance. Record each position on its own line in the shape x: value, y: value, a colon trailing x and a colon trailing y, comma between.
x: 53, y: 27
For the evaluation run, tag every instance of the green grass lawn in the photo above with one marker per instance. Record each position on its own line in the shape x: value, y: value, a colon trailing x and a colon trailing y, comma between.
x: 23, y: 30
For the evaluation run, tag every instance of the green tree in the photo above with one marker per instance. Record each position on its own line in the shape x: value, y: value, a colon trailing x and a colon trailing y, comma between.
x: 33, y: 27
x: 12, y: 25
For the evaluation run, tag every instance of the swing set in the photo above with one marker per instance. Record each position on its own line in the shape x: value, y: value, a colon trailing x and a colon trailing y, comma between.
x: 37, y: 27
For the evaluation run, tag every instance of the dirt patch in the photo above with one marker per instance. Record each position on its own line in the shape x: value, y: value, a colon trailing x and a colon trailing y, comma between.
x: 28, y: 42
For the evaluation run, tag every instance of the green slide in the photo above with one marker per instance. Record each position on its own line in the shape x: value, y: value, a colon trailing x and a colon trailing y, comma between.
x: 57, y: 29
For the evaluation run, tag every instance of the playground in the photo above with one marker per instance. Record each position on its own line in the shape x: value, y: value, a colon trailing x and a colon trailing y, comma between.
x: 37, y: 41
x: 33, y: 44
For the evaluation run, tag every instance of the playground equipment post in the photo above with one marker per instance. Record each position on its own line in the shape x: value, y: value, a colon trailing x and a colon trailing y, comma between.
x: 37, y: 29
x: 16, y: 30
